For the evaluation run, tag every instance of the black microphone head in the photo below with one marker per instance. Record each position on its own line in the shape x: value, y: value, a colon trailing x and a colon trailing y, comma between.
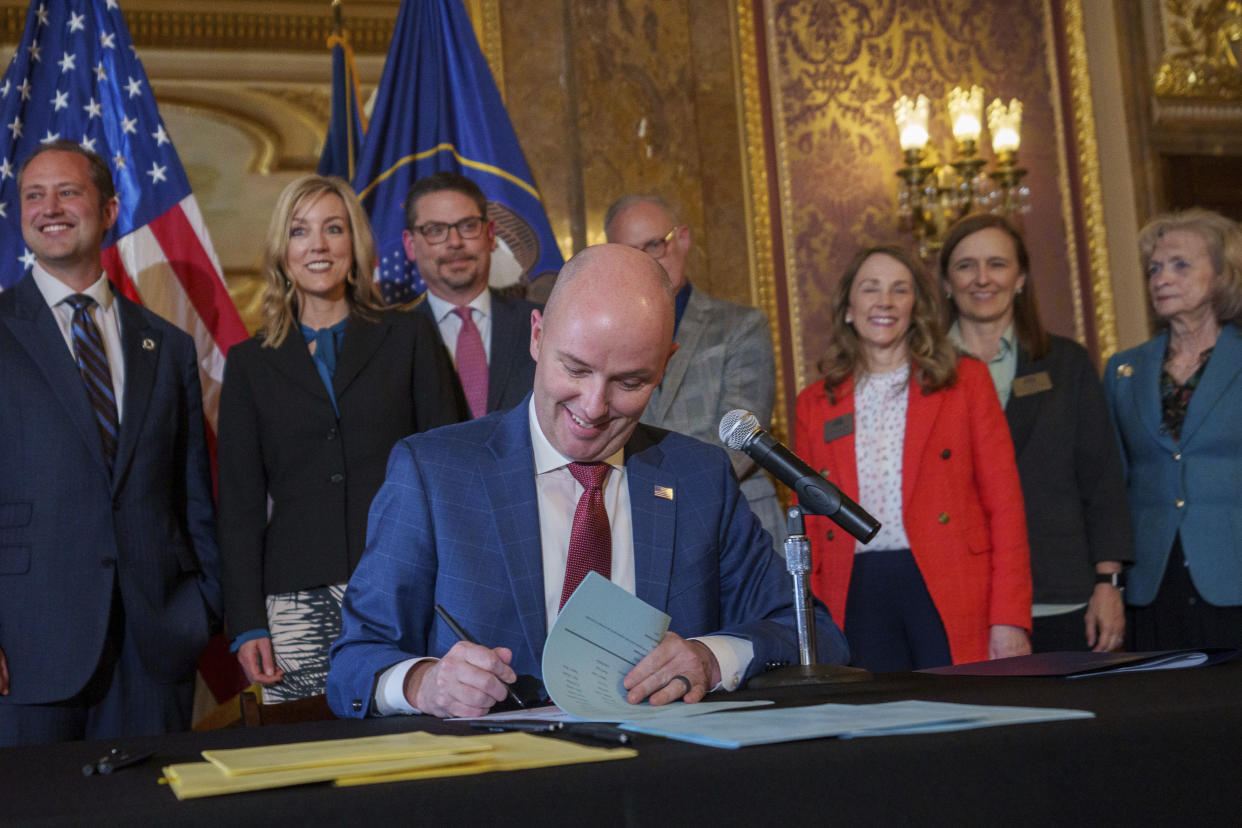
x: 737, y: 427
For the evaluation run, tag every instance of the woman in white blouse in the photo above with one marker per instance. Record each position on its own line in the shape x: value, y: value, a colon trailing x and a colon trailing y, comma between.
x: 914, y: 432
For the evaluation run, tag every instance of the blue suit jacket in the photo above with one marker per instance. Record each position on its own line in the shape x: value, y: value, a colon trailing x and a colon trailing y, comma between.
x: 457, y: 523
x: 69, y: 529
x: 1200, y: 472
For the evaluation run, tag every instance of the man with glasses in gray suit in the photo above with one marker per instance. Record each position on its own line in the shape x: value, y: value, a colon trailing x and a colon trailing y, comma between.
x: 724, y: 351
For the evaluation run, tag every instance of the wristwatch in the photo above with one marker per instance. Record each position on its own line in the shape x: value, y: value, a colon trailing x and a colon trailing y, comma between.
x: 1114, y: 578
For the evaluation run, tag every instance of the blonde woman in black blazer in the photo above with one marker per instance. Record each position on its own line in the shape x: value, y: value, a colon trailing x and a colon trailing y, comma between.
x: 310, y: 408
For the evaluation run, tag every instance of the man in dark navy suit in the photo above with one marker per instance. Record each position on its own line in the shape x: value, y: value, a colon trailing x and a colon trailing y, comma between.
x: 108, y: 563
x: 450, y: 237
x: 498, y: 519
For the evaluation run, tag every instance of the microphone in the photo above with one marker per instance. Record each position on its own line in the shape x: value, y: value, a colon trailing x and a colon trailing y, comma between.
x: 740, y: 431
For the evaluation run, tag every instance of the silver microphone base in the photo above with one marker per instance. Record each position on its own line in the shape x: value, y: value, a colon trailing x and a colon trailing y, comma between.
x: 802, y: 675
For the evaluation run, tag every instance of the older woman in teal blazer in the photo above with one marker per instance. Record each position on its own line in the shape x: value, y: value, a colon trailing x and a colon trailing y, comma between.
x: 1177, y: 404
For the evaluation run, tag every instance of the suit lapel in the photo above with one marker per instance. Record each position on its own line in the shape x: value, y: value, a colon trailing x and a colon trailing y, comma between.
x: 35, y: 329
x: 293, y: 359
x: 844, y: 454
x: 1145, y: 389
x: 689, y: 335
x: 1023, y: 412
x: 508, y: 346
x: 362, y: 339
x: 653, y: 517
x: 921, y: 412
x: 140, y: 344
x: 1221, y: 374
x: 515, y: 515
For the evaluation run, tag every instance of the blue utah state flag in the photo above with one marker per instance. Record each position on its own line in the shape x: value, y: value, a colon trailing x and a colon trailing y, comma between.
x: 438, y: 108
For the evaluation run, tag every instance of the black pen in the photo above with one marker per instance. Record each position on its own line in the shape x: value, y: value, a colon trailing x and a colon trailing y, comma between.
x: 462, y: 635
x: 505, y: 725
x: 601, y: 731
x: 114, y: 760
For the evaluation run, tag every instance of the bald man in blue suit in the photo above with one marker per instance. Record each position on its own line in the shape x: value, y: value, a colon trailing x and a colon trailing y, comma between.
x: 475, y: 517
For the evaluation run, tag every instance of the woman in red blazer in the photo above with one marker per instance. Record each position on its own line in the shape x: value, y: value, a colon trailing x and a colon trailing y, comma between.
x: 913, y: 430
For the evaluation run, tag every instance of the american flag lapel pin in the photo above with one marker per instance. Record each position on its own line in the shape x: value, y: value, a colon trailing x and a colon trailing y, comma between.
x: 664, y: 492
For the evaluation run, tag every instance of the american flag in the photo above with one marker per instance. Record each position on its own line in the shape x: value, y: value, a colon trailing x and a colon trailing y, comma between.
x: 76, y: 75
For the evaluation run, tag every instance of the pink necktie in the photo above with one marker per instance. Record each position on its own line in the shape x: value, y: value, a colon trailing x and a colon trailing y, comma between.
x: 471, y: 362
x: 590, y: 540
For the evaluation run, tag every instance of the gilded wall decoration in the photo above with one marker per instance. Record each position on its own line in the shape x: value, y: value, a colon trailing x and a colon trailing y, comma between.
x: 636, y: 115
x: 837, y: 67
x: 234, y: 30
x: 1203, y: 44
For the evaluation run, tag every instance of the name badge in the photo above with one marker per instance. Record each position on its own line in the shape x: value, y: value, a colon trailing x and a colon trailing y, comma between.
x: 1031, y: 384
x: 838, y: 427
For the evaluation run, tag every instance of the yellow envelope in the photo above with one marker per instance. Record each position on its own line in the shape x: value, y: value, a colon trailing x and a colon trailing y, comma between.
x: 510, y: 751
x: 268, y: 758
x: 192, y: 780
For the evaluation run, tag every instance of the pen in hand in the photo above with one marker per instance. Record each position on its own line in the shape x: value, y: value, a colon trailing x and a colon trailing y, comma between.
x: 462, y: 635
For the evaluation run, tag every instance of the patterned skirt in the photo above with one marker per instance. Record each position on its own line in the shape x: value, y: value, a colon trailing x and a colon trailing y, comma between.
x: 303, y: 625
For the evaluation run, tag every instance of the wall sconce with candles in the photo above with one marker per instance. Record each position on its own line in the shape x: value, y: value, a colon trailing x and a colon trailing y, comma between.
x: 933, y: 196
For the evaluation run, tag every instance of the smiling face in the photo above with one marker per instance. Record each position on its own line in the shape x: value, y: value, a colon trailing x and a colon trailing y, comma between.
x: 984, y: 276
x: 1181, y: 278
x: 600, y: 349
x: 320, y: 253
x: 63, y: 221
x: 456, y: 270
x: 881, y: 303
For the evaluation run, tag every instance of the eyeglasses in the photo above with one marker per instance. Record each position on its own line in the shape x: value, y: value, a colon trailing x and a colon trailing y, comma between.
x: 656, y: 248
x: 437, y: 232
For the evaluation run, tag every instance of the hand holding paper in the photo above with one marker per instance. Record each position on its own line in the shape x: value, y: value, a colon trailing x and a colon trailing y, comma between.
x: 675, y: 669
x: 606, y: 642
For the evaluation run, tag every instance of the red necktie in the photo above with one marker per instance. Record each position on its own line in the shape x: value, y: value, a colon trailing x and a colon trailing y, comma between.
x: 471, y: 362
x: 590, y: 540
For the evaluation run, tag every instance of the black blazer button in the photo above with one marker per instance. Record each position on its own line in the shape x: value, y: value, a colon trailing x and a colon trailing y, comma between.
x: 946, y: 454
x: 357, y: 705
x: 337, y: 477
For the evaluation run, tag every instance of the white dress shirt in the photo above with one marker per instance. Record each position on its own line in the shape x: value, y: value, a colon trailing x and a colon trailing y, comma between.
x: 106, y: 317
x: 449, y: 323
x: 558, y: 493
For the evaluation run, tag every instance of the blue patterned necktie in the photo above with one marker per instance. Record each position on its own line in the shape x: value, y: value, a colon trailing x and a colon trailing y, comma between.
x: 92, y: 359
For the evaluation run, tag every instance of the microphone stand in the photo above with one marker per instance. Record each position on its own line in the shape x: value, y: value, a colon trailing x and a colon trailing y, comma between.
x: 808, y: 671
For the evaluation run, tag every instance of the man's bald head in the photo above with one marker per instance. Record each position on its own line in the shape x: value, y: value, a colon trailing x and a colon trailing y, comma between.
x: 600, y: 346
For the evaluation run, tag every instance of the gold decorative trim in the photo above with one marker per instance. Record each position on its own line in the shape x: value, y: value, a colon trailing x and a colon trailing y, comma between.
x: 1092, y: 194
x: 485, y: 15
x: 1203, y: 62
x: 235, y: 31
x: 784, y: 186
x: 1064, y: 187
x: 755, y: 188
x: 266, y: 141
